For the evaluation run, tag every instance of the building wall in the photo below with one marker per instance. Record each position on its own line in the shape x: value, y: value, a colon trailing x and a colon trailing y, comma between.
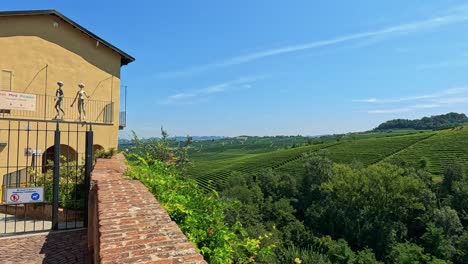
x: 35, y: 53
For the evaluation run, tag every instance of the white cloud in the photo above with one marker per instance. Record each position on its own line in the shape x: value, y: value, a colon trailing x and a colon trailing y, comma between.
x: 403, y: 109
x: 445, y: 98
x: 191, y: 96
x: 452, y: 100
x: 370, y: 100
x: 425, y: 106
x: 389, y: 111
x: 215, y: 88
x: 425, y: 97
x: 181, y: 96
x: 458, y: 15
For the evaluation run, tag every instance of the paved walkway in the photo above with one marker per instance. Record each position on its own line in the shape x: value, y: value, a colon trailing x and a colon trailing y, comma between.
x: 50, y: 247
x: 10, y: 224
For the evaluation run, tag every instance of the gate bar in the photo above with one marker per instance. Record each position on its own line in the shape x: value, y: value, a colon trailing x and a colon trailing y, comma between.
x: 56, y: 182
x: 88, y: 167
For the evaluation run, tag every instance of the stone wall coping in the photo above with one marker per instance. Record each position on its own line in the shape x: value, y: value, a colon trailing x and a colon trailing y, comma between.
x: 129, y: 224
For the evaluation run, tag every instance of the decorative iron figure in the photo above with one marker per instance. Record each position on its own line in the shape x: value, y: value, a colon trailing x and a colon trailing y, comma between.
x: 59, y: 100
x: 80, y: 95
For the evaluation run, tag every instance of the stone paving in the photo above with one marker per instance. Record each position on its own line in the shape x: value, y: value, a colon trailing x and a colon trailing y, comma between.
x: 47, y: 247
x: 10, y: 224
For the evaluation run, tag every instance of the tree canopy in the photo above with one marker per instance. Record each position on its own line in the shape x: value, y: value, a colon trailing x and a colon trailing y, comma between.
x: 434, y: 122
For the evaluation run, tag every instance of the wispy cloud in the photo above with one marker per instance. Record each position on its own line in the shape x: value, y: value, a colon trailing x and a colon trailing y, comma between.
x: 425, y: 106
x: 198, y: 94
x: 452, y: 100
x: 403, y: 109
x: 181, y: 96
x: 389, y: 111
x: 443, y: 98
x: 444, y: 93
x: 457, y: 15
x: 370, y: 100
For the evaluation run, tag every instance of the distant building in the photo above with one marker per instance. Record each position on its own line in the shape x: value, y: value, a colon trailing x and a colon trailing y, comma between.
x: 38, y: 49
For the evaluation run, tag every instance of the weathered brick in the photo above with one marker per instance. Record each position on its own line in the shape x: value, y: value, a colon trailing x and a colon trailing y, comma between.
x: 132, y: 226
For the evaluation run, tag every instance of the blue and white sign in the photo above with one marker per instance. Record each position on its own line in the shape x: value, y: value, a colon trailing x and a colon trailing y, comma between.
x: 25, y: 195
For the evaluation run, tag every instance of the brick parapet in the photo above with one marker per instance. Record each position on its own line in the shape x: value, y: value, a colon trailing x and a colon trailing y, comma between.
x: 128, y: 225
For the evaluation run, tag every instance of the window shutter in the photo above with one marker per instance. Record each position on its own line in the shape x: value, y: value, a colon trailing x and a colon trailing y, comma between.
x: 6, y: 80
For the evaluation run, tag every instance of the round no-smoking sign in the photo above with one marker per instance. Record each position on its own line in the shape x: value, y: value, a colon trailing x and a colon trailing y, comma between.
x: 14, y: 197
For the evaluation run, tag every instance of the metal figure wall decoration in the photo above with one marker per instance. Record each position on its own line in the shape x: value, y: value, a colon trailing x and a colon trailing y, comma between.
x: 59, y: 100
x: 81, y: 95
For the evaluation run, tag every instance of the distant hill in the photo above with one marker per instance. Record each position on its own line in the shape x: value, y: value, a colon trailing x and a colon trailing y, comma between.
x: 427, y: 123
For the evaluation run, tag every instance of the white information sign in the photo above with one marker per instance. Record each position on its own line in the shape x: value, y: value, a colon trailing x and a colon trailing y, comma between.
x: 25, y: 195
x: 17, y: 101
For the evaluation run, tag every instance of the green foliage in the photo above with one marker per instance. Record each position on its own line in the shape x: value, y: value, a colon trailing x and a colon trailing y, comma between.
x: 366, y: 256
x: 348, y: 212
x: 71, y: 183
x: 339, y: 252
x: 182, y: 160
x: 212, y: 173
x: 439, y: 151
x: 434, y: 122
x: 432, y: 151
x: 105, y: 154
x: 151, y: 150
x: 215, y: 173
x: 406, y: 253
x: 295, y: 255
x: 373, y: 206
x: 200, y: 216
x: 306, y: 209
x: 463, y: 248
x: 436, y: 242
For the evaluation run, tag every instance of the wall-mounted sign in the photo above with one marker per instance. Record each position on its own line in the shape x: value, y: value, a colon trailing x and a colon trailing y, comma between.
x: 17, y: 101
x: 25, y: 195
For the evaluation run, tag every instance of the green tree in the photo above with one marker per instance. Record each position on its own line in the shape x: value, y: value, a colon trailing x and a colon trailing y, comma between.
x: 447, y: 219
x: 318, y: 170
x: 366, y: 256
x: 437, y: 243
x: 406, y: 253
x: 454, y: 172
x: 462, y: 256
x: 373, y: 206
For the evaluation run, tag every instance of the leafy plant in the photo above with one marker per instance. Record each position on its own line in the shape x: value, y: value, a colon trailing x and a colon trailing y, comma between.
x: 200, y: 216
x: 71, y: 183
x: 105, y: 154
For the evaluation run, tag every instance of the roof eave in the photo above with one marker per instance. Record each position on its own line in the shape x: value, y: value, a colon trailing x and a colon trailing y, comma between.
x: 125, y: 58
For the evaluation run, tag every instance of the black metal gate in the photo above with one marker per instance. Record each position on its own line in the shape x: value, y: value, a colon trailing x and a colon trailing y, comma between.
x: 49, y: 163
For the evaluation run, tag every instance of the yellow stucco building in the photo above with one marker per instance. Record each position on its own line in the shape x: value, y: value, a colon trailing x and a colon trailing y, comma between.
x: 38, y: 49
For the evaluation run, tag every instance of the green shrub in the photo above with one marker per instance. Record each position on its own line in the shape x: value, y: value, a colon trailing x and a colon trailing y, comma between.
x: 71, y: 183
x: 105, y: 154
x: 199, y: 216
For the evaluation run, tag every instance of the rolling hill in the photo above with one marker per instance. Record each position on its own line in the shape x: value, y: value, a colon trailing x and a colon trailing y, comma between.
x: 438, y: 148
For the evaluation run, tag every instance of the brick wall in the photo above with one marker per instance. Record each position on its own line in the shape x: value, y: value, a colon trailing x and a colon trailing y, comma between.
x: 128, y: 225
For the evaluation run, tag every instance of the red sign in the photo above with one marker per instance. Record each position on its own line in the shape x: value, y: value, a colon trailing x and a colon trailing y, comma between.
x: 14, y: 197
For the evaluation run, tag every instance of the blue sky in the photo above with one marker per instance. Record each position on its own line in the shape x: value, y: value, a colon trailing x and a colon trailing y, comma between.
x: 280, y: 67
